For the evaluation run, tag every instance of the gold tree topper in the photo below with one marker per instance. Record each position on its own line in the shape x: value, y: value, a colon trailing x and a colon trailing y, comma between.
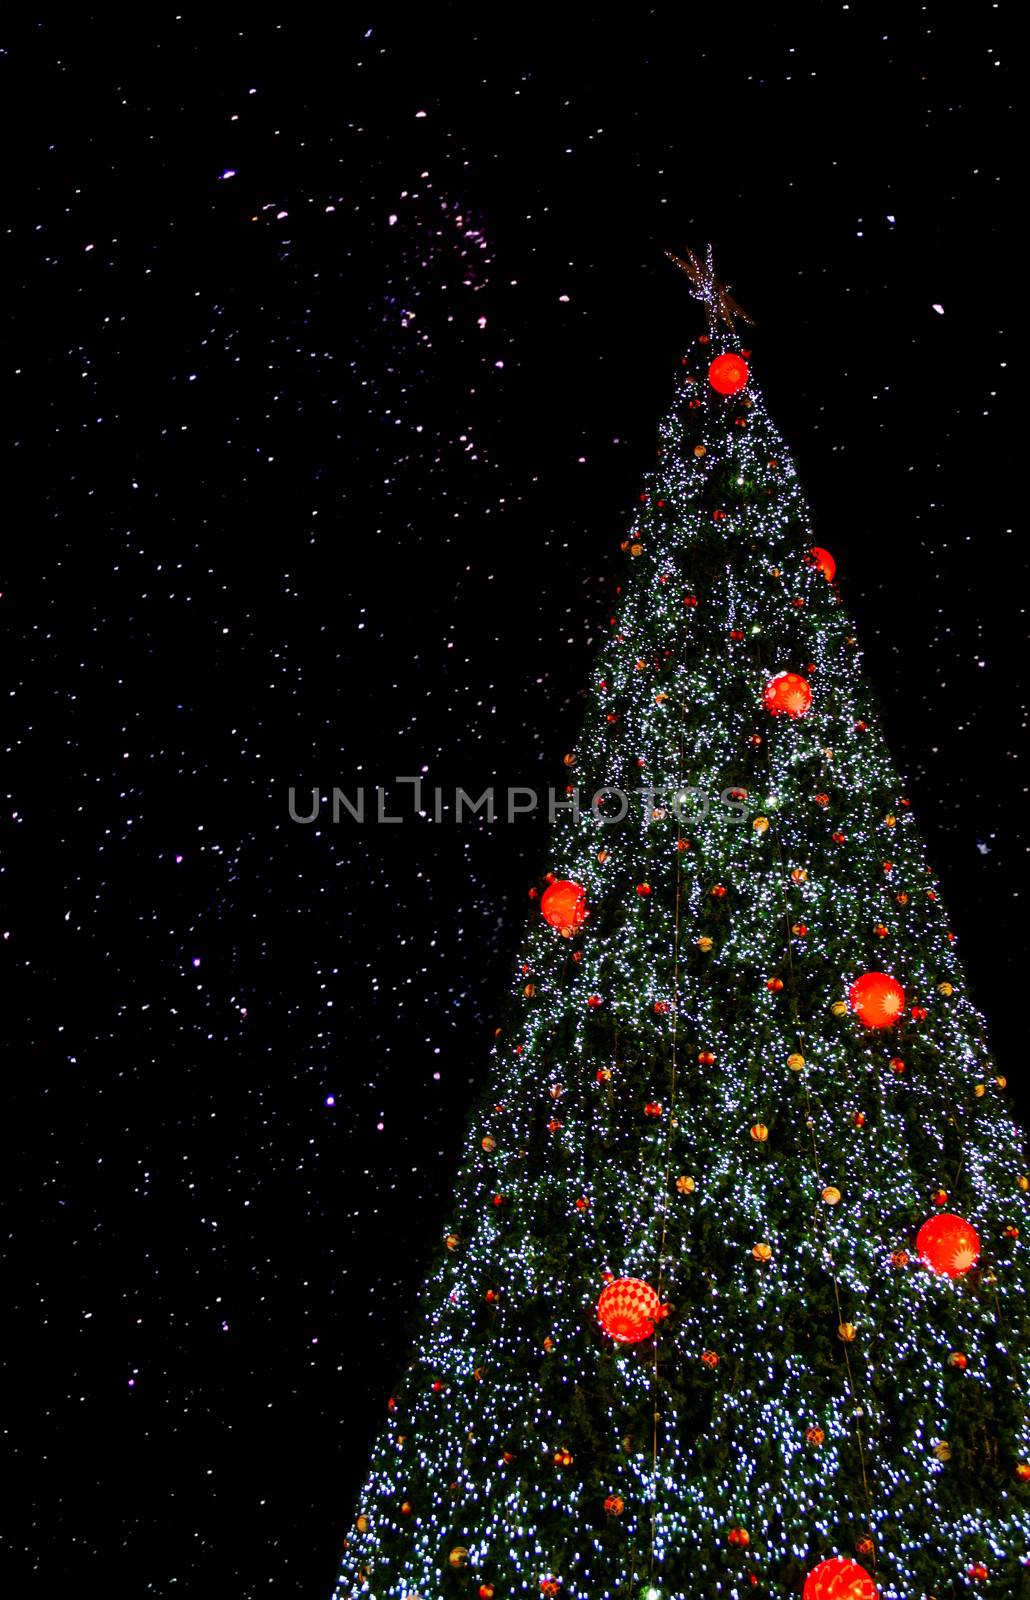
x: 710, y: 290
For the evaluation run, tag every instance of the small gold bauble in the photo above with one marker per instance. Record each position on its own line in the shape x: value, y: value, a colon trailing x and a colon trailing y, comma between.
x: 685, y: 1185
x: 1002, y: 1083
x: 815, y: 1436
x: 945, y: 989
x: 704, y: 943
x: 839, y: 1008
x: 636, y: 549
x: 488, y: 1144
x: 847, y: 1331
x: 458, y: 1556
x: 700, y: 450
x: 979, y: 1090
x: 762, y: 1252
x: 761, y: 824
x: 890, y: 820
x: 452, y: 1241
x: 1023, y: 1183
x: 362, y: 1524
x: 830, y: 1196
x: 942, y: 1451
x: 759, y: 1133
x: 795, y: 1062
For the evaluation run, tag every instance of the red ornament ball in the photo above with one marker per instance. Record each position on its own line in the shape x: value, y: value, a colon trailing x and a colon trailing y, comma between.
x: 728, y: 374
x: 839, y: 1579
x: 824, y: 561
x: 877, y: 999
x: 628, y: 1310
x: 788, y: 695
x: 949, y: 1245
x: 564, y: 906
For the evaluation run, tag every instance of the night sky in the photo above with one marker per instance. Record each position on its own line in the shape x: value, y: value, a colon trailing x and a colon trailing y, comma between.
x: 334, y: 353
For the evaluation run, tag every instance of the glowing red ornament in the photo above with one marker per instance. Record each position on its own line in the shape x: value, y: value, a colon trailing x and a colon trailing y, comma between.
x: 564, y: 906
x: 948, y: 1244
x: 824, y: 561
x: 787, y: 694
x: 839, y: 1579
x: 628, y: 1310
x: 728, y: 374
x: 877, y: 999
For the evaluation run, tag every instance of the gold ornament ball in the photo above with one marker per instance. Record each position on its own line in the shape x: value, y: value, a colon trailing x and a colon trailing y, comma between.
x: 488, y: 1144
x: 458, y: 1556
x: 942, y: 1451
x: 452, y: 1241
x: 362, y: 1524
x: 1023, y: 1183
x: 761, y: 824
x: 815, y: 1437
x: 979, y: 1090
x: 839, y: 1008
x: 1002, y: 1083
x: 830, y: 1196
x: 636, y: 549
x: 945, y: 989
x: 685, y: 1185
x: 795, y: 1062
x: 704, y: 943
x: 759, y: 1133
x: 762, y: 1252
x: 847, y: 1332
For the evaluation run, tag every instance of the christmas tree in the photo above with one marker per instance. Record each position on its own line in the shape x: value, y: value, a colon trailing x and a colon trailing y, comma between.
x: 730, y: 1299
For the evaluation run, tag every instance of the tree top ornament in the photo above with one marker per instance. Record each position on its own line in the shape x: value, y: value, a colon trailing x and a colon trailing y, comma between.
x: 710, y: 290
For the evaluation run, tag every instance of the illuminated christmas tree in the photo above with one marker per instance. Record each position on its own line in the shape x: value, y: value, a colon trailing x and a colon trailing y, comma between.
x: 730, y: 1299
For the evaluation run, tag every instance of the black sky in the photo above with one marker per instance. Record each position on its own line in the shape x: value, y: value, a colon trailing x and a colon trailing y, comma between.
x: 281, y: 511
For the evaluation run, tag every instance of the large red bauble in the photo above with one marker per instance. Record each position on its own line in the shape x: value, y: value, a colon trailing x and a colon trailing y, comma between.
x: 728, y: 374
x: 787, y: 695
x: 839, y: 1579
x: 948, y: 1244
x: 627, y: 1310
x: 877, y: 999
x: 564, y: 906
x: 824, y: 561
